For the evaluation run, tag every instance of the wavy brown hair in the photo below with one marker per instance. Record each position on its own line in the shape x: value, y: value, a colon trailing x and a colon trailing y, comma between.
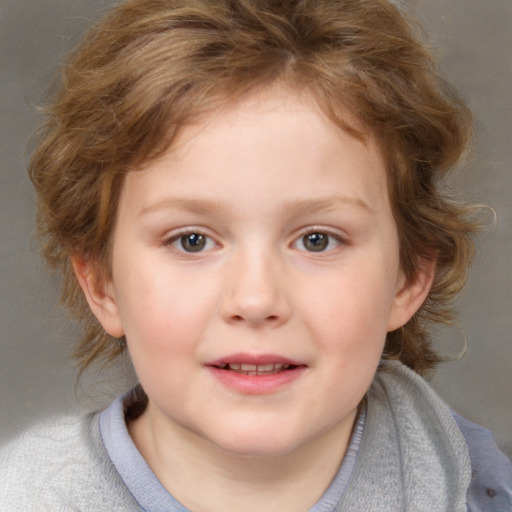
x: 151, y: 66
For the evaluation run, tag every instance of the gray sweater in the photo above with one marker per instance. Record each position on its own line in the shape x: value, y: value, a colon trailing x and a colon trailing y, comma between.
x: 413, y: 457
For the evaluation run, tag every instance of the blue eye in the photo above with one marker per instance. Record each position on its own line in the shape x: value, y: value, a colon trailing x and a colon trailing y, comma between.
x: 317, y: 241
x: 192, y: 242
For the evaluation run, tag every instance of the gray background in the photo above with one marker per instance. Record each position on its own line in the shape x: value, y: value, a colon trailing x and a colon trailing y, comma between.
x: 473, y: 40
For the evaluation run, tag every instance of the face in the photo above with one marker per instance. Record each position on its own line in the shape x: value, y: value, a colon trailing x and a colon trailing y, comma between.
x: 255, y: 276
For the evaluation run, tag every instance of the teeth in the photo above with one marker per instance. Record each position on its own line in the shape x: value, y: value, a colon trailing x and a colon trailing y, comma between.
x: 256, y: 368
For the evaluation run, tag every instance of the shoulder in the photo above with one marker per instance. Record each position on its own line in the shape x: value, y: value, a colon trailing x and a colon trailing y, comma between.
x: 491, y: 483
x: 60, y: 465
x: 50, y: 437
x: 43, y: 450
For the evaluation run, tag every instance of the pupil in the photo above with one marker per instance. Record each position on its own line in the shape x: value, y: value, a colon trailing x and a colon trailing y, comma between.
x: 316, y: 242
x: 193, y: 242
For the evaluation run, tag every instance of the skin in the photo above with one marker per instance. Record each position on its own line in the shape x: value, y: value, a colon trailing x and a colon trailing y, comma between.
x: 254, y: 180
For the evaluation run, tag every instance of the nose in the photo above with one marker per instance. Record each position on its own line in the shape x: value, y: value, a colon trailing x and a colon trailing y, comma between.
x: 255, y: 291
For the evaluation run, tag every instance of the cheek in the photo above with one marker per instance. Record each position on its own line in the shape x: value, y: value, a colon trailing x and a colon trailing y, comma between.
x: 349, y: 313
x: 161, y: 334
x: 162, y: 313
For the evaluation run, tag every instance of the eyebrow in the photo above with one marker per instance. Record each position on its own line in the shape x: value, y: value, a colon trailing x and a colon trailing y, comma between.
x: 308, y: 206
x: 198, y: 206
x: 293, y: 208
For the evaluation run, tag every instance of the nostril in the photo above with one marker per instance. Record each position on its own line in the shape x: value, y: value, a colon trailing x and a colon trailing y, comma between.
x: 240, y: 318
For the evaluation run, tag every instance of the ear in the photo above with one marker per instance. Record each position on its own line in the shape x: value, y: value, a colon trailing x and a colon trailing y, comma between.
x: 411, y: 294
x: 99, y: 294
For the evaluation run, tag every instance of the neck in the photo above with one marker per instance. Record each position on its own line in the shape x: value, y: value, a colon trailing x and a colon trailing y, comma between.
x: 228, y: 482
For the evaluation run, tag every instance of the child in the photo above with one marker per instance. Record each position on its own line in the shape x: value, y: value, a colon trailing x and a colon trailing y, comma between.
x: 245, y: 195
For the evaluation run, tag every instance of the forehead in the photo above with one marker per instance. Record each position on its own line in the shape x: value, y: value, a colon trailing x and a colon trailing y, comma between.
x: 274, y: 142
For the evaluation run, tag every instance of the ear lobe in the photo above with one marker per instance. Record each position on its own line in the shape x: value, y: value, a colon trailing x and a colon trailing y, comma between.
x: 99, y: 295
x: 411, y: 294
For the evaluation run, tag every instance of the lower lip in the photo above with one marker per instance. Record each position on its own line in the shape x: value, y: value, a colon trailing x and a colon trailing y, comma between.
x: 257, y: 384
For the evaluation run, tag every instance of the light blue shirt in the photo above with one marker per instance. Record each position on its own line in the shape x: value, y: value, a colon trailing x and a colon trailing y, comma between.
x: 151, y: 495
x: 490, y: 489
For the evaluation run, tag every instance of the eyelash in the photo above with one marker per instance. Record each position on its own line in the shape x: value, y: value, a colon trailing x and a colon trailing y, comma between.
x: 205, y: 242
x: 180, y: 237
x: 329, y: 239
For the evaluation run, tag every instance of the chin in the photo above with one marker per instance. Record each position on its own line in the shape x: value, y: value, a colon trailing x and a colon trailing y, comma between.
x: 256, y: 450
x: 260, y: 444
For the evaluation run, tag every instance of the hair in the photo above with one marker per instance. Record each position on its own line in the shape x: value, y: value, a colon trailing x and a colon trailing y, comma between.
x: 151, y: 66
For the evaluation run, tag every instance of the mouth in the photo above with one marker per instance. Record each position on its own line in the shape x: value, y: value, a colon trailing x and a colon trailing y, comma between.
x: 255, y: 369
x: 252, y: 374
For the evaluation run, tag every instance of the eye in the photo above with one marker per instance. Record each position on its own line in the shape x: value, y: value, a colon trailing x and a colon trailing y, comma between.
x: 192, y: 242
x: 317, y: 241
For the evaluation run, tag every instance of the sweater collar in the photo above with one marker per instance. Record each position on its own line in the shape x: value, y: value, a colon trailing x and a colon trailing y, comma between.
x: 412, y: 456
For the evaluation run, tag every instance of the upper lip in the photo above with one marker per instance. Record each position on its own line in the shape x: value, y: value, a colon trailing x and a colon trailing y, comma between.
x: 254, y: 359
